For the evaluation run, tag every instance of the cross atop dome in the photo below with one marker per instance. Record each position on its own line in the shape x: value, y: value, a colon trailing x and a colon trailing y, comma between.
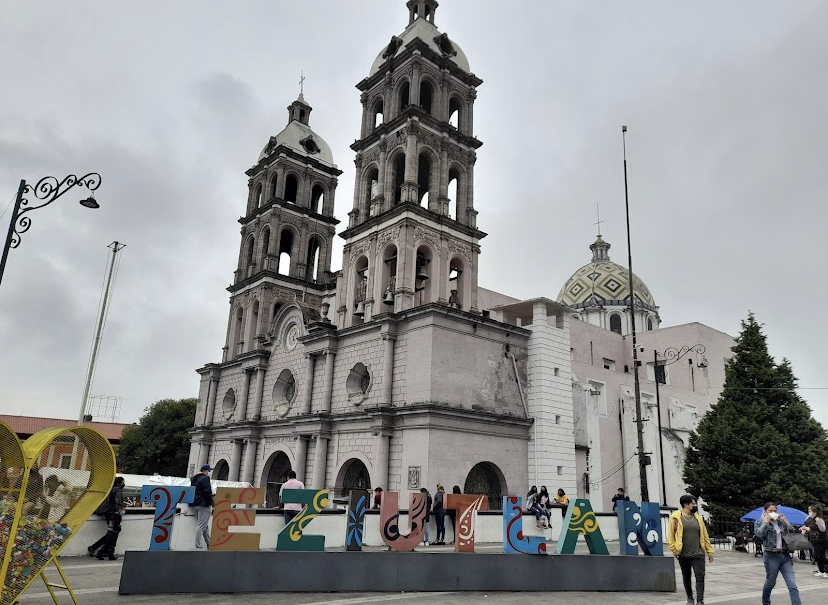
x: 421, y: 9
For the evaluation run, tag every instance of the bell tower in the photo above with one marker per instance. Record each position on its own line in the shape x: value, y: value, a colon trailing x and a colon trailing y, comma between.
x: 287, y: 232
x: 412, y: 234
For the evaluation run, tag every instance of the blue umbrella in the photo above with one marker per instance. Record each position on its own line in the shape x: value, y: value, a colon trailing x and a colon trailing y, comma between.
x: 795, y: 516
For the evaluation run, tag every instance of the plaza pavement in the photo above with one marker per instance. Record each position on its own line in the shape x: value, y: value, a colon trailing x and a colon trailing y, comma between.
x: 732, y: 579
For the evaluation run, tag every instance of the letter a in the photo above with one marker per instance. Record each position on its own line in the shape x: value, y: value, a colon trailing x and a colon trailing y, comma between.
x: 580, y: 520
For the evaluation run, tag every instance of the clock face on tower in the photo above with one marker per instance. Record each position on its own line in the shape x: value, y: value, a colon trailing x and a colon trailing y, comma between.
x: 292, y: 337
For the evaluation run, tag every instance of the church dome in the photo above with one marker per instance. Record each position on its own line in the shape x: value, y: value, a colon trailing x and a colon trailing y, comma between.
x: 427, y: 32
x: 299, y: 136
x: 603, y: 282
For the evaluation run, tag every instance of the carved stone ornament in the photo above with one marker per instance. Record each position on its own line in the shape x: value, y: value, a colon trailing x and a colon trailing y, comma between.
x: 456, y: 154
x: 392, y: 234
x: 358, y: 249
x: 428, y: 236
x: 413, y: 477
x: 460, y: 248
x: 371, y: 155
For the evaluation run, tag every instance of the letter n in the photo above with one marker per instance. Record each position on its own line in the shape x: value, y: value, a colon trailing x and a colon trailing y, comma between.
x: 640, y: 527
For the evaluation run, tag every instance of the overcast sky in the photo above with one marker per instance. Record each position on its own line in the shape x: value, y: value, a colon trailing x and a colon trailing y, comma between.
x: 172, y: 101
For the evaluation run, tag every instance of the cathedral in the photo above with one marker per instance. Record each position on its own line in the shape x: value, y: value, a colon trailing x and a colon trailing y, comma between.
x: 398, y: 370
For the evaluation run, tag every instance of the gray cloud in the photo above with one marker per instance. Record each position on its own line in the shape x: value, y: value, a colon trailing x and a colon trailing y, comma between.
x: 171, y: 103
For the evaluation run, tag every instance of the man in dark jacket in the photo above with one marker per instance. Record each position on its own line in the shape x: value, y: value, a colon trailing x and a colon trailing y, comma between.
x: 202, y: 503
x: 108, y: 509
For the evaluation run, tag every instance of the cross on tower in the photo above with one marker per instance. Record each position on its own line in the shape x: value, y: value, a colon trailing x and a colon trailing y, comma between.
x: 302, y: 83
x: 598, y: 210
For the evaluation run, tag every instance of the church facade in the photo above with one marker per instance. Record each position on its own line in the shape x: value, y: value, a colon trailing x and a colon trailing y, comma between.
x: 398, y: 371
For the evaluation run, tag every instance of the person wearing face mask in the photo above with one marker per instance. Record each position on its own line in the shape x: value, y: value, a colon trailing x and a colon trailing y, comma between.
x: 769, y: 528
x: 689, y: 542
x: 815, y: 530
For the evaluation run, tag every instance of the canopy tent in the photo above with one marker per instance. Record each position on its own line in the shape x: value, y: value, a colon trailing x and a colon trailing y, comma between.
x: 794, y: 515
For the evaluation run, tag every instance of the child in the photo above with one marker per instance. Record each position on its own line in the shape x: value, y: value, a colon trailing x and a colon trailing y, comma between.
x: 113, y: 528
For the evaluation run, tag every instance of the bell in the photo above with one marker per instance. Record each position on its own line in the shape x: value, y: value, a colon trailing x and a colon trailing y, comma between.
x: 421, y: 273
x: 360, y: 310
x: 389, y: 298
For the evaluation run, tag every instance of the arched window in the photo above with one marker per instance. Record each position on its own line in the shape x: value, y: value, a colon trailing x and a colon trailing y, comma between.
x: 371, y: 188
x: 650, y: 324
x: 378, y: 117
x: 317, y: 199
x: 426, y: 96
x: 485, y: 479
x: 615, y: 323
x: 236, y: 339
x: 454, y: 112
x: 251, y: 251
x: 265, y: 246
x: 291, y: 189
x: 404, y: 97
x: 259, y: 196
x: 453, y: 191
x: 252, y: 326
x: 302, y: 116
x: 285, y: 251
x: 274, y: 182
x: 276, y: 476
x: 389, y: 278
x: 354, y: 477
x: 423, y: 179
x: 312, y: 261
x: 399, y: 177
x: 221, y: 471
x: 360, y: 288
x: 422, y: 276
x: 457, y: 284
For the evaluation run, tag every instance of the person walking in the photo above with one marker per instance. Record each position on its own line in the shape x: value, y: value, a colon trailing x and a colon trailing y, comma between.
x: 689, y: 542
x: 770, y: 528
x: 815, y: 529
x: 113, y: 530
x: 620, y: 496
x: 202, y: 503
x: 440, y: 515
x: 291, y: 508
x: 429, y: 504
x: 108, y: 508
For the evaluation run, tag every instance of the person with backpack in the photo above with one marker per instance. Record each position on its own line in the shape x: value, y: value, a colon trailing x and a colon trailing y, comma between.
x: 815, y: 529
x: 113, y: 530
x: 429, y: 504
x: 440, y: 515
x: 203, y: 503
x: 108, y: 508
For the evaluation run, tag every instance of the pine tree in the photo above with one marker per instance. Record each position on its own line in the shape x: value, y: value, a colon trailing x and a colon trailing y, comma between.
x: 759, y: 443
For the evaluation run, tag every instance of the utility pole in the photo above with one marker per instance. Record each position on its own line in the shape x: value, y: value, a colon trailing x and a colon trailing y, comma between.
x: 115, y: 247
x: 643, y: 458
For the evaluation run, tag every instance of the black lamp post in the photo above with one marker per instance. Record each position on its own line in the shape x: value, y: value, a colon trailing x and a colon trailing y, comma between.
x: 670, y: 356
x: 47, y: 190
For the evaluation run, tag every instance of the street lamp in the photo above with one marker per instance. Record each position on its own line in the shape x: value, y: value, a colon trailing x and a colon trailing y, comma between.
x: 47, y: 190
x: 670, y: 356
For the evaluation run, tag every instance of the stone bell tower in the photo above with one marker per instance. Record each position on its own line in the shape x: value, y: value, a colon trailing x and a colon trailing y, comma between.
x: 286, y: 233
x: 412, y: 234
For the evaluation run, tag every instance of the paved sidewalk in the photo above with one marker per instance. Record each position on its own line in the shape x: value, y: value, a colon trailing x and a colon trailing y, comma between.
x: 733, y: 579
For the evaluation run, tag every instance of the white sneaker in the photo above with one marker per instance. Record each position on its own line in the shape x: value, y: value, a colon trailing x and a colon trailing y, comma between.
x: 425, y: 544
x: 825, y: 574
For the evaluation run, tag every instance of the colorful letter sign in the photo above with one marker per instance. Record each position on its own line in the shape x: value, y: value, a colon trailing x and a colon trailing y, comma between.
x: 466, y: 505
x: 291, y: 537
x: 640, y: 528
x: 355, y: 527
x: 580, y: 520
x: 390, y: 521
x: 513, y: 540
x: 166, y: 498
x: 225, y: 517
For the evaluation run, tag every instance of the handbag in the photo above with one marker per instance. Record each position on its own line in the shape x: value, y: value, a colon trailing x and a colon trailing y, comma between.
x: 794, y: 541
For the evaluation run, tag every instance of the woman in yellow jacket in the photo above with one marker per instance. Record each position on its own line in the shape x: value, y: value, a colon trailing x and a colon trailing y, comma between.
x: 688, y: 541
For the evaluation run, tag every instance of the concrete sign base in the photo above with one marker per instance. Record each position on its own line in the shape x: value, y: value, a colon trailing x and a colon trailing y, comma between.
x: 165, y: 572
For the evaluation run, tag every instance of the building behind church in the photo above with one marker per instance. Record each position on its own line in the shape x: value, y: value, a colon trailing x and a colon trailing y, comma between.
x: 398, y: 370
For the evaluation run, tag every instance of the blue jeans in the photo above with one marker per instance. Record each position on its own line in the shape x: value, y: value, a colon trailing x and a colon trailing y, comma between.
x: 774, y: 563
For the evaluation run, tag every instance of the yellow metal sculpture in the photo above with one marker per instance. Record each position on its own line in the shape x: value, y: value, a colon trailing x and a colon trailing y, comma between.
x: 49, y: 486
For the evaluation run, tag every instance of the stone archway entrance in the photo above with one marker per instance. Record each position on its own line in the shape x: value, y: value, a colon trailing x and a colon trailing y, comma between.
x: 276, y: 476
x: 485, y: 478
x: 221, y: 471
x: 354, y: 475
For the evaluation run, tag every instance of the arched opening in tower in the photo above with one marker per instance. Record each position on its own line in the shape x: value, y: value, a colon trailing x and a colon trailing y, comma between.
x: 291, y: 189
x: 238, y: 331
x: 426, y: 96
x: 317, y: 198
x: 265, y: 247
x: 399, y: 177
x: 379, y: 117
x: 453, y: 190
x: 405, y: 96
x: 251, y: 251
x: 454, y: 112
x: 371, y: 189
x: 389, y: 277
x: 615, y: 323
x: 285, y: 251
x: 456, y: 283
x: 423, y: 271
x: 252, y: 326
x: 258, y: 197
x: 423, y: 179
x: 312, y: 262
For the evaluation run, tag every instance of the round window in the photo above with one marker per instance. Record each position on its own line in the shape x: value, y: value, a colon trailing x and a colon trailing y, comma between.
x: 228, y: 406
x: 284, y: 392
x: 358, y: 384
